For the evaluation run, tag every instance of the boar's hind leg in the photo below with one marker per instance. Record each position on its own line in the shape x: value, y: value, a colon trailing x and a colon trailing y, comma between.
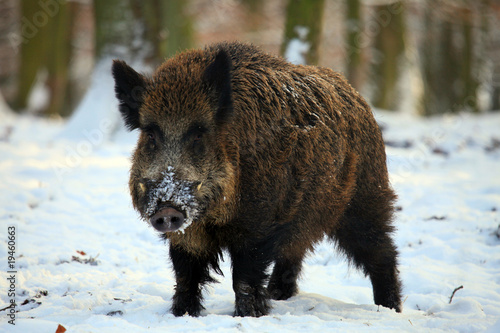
x: 283, y: 282
x: 249, y: 274
x: 364, y: 236
x: 191, y: 273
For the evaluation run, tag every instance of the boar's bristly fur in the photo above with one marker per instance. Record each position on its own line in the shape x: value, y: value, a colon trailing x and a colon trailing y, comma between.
x: 241, y: 151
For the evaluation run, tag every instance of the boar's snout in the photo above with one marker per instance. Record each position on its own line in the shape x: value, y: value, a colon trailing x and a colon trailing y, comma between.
x: 167, y: 220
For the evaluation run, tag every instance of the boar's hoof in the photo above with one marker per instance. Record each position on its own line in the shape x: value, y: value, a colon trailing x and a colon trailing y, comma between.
x: 167, y: 220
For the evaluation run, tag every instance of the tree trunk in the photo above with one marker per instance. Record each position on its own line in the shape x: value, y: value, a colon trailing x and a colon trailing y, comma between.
x: 45, y: 48
x: 489, y: 30
x: 470, y: 84
x: 9, y: 48
x: 388, y: 55
x: 117, y: 30
x: 354, y: 28
x: 168, y: 27
x: 140, y: 32
x: 34, y: 41
x: 439, y: 63
x: 452, y: 57
x: 58, y: 61
x: 303, y: 27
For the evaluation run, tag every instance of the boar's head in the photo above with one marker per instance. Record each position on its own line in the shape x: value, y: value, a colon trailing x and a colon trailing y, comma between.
x: 180, y: 168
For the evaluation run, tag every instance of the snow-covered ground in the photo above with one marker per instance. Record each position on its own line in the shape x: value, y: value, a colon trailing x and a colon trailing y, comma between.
x: 84, y: 260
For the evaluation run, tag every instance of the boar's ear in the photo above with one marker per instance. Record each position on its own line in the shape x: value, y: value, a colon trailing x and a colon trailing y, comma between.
x: 129, y: 89
x: 218, y: 76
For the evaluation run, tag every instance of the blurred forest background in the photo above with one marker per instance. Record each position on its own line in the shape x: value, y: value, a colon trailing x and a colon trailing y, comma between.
x: 420, y: 56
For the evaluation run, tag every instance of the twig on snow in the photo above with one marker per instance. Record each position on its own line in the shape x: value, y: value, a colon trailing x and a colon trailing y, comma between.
x: 454, y: 291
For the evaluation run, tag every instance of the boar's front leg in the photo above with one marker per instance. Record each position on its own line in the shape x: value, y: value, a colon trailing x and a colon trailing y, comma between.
x: 191, y: 273
x: 249, y: 274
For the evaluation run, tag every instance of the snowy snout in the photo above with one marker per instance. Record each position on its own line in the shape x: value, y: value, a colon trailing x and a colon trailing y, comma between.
x: 169, y: 204
x: 167, y: 219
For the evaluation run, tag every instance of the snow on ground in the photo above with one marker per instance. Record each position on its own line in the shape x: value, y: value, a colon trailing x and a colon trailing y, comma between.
x: 84, y: 260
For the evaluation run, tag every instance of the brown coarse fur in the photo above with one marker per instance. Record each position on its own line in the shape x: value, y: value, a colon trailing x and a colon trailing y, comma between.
x: 275, y: 155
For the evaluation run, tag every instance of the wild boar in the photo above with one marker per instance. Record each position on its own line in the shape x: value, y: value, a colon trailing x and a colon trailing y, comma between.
x: 241, y: 151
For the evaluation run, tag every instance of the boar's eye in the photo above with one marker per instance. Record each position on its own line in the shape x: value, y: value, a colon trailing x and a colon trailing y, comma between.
x: 151, y: 132
x: 195, y: 138
x: 151, y: 139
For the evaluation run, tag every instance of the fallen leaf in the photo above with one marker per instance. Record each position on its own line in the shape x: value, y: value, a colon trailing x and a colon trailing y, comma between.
x: 60, y: 329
